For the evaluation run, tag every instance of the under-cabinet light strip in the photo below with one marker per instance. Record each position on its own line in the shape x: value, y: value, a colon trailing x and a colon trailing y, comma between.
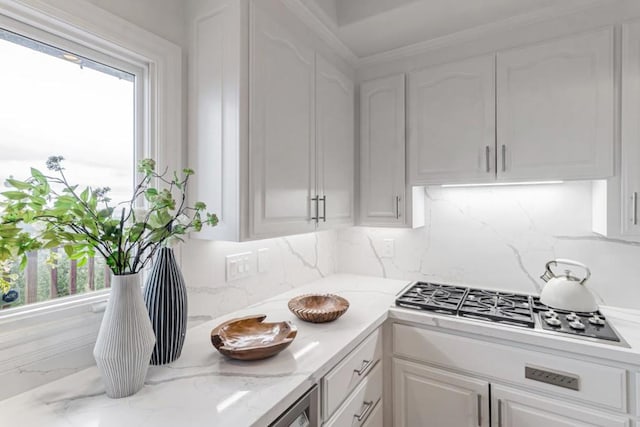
x: 502, y: 184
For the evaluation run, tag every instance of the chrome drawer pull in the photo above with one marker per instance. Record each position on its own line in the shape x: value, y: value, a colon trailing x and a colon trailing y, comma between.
x: 504, y: 158
x: 487, y: 153
x: 499, y: 412
x: 317, y: 217
x: 479, y: 411
x: 368, y: 406
x: 365, y: 365
x: 635, y: 208
x: 323, y: 199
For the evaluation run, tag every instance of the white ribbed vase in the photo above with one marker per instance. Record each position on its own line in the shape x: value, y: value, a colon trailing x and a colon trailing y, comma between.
x: 126, y: 338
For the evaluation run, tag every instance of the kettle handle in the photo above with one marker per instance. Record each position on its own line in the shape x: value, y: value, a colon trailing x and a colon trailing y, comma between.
x: 549, y: 274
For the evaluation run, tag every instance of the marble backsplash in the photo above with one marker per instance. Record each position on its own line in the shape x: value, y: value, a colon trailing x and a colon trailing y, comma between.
x: 291, y: 261
x: 499, y: 238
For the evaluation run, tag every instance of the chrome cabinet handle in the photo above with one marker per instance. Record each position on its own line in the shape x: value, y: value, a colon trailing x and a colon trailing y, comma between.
x: 487, y: 154
x: 317, y: 200
x: 323, y: 199
x: 368, y: 406
x: 397, y: 207
x: 365, y: 365
x: 499, y: 412
x: 504, y: 158
x: 479, y: 411
x: 635, y: 208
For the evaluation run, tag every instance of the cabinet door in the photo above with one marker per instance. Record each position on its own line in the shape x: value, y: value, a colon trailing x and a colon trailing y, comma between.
x: 515, y: 408
x: 430, y: 397
x: 555, y: 104
x: 335, y: 144
x: 281, y: 130
x: 382, y: 151
x: 452, y: 123
x: 630, y: 173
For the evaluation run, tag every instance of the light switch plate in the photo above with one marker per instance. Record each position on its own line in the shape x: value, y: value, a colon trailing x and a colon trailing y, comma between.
x: 238, y: 266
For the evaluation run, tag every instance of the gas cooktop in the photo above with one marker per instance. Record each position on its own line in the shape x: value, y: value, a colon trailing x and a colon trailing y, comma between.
x: 504, y: 308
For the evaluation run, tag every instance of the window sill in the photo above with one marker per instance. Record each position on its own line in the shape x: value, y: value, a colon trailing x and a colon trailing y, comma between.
x: 36, y: 332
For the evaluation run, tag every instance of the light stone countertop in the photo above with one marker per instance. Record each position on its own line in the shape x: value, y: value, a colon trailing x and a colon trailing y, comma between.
x: 203, y: 388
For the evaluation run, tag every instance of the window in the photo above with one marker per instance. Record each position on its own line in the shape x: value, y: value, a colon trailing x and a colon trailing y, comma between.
x: 39, y: 336
x: 64, y: 102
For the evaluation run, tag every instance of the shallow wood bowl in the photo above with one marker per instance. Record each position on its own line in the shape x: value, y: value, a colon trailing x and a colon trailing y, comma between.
x: 249, y: 338
x: 318, y: 308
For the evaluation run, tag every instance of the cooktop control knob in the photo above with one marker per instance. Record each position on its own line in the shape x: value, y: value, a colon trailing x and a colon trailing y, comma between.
x: 553, y: 321
x: 596, y: 320
x: 550, y: 313
x: 578, y: 325
x: 572, y: 317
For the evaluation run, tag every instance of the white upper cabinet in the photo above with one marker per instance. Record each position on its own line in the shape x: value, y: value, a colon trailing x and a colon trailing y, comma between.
x: 214, y: 118
x: 382, y: 151
x: 555, y: 109
x: 630, y: 170
x: 270, y: 121
x: 334, y: 145
x: 452, y: 122
x: 281, y: 130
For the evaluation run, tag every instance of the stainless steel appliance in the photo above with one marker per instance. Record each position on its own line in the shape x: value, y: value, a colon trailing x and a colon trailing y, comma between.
x: 303, y: 413
x: 506, y: 308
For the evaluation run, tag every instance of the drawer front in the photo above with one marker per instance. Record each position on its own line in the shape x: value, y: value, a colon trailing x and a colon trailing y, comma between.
x: 375, y: 419
x: 346, y: 376
x: 603, y: 385
x: 357, y: 409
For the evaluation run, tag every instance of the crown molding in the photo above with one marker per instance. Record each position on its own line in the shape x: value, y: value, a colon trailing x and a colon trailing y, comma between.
x: 315, y: 23
x: 470, y: 34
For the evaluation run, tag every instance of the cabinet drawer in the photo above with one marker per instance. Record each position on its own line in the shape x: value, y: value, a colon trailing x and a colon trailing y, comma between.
x: 599, y: 384
x: 375, y: 419
x: 353, y: 413
x: 342, y: 379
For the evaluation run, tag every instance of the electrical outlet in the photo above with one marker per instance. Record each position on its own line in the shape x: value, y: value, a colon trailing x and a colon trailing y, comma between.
x: 263, y: 260
x: 238, y: 266
x: 388, y: 248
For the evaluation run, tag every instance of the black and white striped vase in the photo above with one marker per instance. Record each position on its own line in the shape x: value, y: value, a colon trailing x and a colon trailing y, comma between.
x: 165, y: 296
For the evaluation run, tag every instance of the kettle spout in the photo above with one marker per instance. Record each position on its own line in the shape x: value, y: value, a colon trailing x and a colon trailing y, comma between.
x: 547, y: 276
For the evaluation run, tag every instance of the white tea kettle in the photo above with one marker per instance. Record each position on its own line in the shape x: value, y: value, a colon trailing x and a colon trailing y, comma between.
x: 567, y: 292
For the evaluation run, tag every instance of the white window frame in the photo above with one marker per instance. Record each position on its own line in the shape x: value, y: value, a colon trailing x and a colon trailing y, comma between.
x: 52, y: 328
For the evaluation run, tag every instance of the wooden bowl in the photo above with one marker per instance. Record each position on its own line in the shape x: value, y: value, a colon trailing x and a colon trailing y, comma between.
x: 318, y: 308
x: 249, y: 338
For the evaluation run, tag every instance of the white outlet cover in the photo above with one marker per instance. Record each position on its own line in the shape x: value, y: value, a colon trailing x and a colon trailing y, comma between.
x: 388, y: 248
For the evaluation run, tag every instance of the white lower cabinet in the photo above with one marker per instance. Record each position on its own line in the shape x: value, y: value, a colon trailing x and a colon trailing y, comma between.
x: 357, y: 409
x: 458, y: 383
x: 430, y: 397
x: 352, y: 390
x: 515, y: 408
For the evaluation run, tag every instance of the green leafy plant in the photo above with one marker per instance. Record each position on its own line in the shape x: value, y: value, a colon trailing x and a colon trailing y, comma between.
x: 45, y: 212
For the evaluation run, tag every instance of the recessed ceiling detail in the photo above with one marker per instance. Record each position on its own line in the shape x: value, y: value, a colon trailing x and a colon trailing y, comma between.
x: 370, y: 27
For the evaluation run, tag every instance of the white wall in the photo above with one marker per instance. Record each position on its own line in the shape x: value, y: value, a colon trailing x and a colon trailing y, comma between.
x: 499, y: 238
x: 164, y: 18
